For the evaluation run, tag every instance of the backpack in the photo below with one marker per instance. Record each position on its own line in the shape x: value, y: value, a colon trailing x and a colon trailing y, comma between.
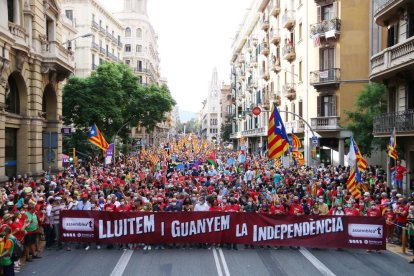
x: 18, y: 250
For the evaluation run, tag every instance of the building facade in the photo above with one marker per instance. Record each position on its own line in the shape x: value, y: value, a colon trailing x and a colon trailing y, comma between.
x: 392, y: 63
x: 140, y: 52
x: 210, y: 114
x: 141, y: 46
x: 99, y: 34
x: 300, y: 55
x: 227, y: 109
x: 33, y: 65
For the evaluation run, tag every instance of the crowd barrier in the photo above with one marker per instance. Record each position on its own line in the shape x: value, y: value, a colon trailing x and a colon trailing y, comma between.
x: 223, y: 227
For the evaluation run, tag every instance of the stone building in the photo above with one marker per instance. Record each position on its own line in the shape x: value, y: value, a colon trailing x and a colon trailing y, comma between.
x: 33, y: 66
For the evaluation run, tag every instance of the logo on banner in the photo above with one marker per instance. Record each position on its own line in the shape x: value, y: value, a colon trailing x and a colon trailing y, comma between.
x: 365, y: 230
x: 78, y: 224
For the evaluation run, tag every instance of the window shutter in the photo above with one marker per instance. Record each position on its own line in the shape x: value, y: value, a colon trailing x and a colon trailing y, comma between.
x: 319, y: 106
x: 334, y: 100
x: 335, y: 10
x: 319, y: 13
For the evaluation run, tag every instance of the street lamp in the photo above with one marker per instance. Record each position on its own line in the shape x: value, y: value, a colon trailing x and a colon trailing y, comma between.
x: 68, y: 41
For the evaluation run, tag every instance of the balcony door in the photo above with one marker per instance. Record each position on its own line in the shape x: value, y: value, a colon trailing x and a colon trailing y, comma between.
x: 326, y: 105
x: 326, y: 64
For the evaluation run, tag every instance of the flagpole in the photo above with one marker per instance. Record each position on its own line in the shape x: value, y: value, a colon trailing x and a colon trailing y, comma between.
x: 389, y: 171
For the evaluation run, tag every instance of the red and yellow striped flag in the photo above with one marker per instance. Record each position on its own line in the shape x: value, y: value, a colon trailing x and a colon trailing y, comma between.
x: 296, y: 142
x: 352, y: 185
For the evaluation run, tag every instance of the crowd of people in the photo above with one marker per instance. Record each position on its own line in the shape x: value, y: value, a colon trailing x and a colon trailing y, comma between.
x: 30, y: 208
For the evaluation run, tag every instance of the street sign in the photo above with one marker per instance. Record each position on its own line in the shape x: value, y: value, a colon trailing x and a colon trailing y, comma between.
x: 256, y: 111
x: 314, y: 140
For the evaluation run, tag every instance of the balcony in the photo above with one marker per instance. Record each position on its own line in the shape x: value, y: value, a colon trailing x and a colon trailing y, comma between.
x: 235, y: 135
x: 265, y: 75
x: 288, y: 19
x: 19, y: 33
x: 102, y: 30
x: 56, y: 57
x: 241, y: 58
x: 325, y: 123
x: 328, y: 77
x: 393, y: 59
x: 289, y: 91
x: 254, y: 132
x: 274, y: 7
x: 288, y: 52
x: 326, y: 29
x: 403, y: 122
x: 102, y: 50
x: 264, y: 48
x: 386, y: 10
x: 95, y: 46
x: 276, y: 65
x: 298, y: 126
x: 278, y: 100
x: 95, y: 25
x: 275, y: 36
x: 265, y: 25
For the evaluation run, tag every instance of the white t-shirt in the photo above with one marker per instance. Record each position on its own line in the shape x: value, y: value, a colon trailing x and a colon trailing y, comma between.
x: 201, y: 207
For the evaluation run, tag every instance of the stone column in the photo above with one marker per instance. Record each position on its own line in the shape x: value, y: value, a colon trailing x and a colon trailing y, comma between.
x: 16, y: 12
x: 341, y: 151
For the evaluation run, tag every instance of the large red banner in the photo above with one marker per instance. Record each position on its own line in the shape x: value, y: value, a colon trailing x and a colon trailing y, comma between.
x: 222, y: 227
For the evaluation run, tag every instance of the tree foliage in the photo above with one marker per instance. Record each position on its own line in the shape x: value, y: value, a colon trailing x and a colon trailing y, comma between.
x: 113, y: 98
x: 371, y: 102
x: 226, y: 130
x: 191, y: 126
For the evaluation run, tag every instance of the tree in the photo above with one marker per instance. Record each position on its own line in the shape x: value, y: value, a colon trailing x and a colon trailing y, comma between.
x: 114, y: 100
x: 371, y: 102
x: 191, y: 126
x: 226, y: 130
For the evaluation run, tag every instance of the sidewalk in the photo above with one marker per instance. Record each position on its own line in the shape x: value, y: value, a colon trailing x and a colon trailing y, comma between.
x: 397, y: 249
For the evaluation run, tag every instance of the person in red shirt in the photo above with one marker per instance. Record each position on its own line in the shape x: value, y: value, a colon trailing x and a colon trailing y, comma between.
x: 215, y: 206
x: 233, y: 206
x: 400, y: 171
x: 390, y: 219
x: 296, y: 208
x: 401, y: 211
x: 277, y: 209
x: 373, y: 211
x: 351, y: 211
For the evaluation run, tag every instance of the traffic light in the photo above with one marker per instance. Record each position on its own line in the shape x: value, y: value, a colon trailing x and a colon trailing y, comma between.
x: 318, y: 153
x: 239, y: 112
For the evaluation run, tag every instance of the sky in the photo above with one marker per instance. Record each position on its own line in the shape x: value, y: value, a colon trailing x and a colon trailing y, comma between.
x: 194, y: 37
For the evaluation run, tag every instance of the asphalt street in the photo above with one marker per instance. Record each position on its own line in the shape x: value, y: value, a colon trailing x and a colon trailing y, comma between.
x: 220, y: 262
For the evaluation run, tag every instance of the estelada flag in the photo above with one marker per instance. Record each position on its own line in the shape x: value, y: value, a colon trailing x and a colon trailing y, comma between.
x: 277, y: 140
x: 96, y: 138
x: 296, y: 142
x: 354, y: 181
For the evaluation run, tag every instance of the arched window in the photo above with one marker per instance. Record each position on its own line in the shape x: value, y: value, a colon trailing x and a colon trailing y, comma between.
x: 12, y: 97
x: 139, y: 32
x: 128, y: 32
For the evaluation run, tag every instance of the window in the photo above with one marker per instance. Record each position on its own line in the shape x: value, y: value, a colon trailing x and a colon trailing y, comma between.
x: 139, y: 32
x: 12, y: 100
x: 100, y: 23
x: 93, y: 17
x: 93, y: 60
x: 301, y: 108
x: 327, y: 105
x: 69, y: 14
x: 300, y: 31
x: 286, y: 114
x: 127, y: 62
x: 300, y: 70
x: 293, y: 106
x: 127, y: 47
x: 139, y: 48
x: 10, y: 10
x: 100, y: 61
x: 410, y: 31
x: 128, y: 32
x: 50, y: 29
x: 139, y: 65
x: 326, y: 61
x: 327, y: 12
x: 392, y: 35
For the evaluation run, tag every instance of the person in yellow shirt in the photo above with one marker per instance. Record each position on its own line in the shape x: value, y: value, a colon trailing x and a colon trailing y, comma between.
x: 323, y: 207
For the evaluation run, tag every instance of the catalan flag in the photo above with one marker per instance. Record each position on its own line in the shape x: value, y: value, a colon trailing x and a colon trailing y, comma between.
x: 356, y: 156
x: 392, y: 152
x: 96, y: 138
x: 277, y: 140
x: 296, y: 142
x: 353, y: 182
x: 299, y: 157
